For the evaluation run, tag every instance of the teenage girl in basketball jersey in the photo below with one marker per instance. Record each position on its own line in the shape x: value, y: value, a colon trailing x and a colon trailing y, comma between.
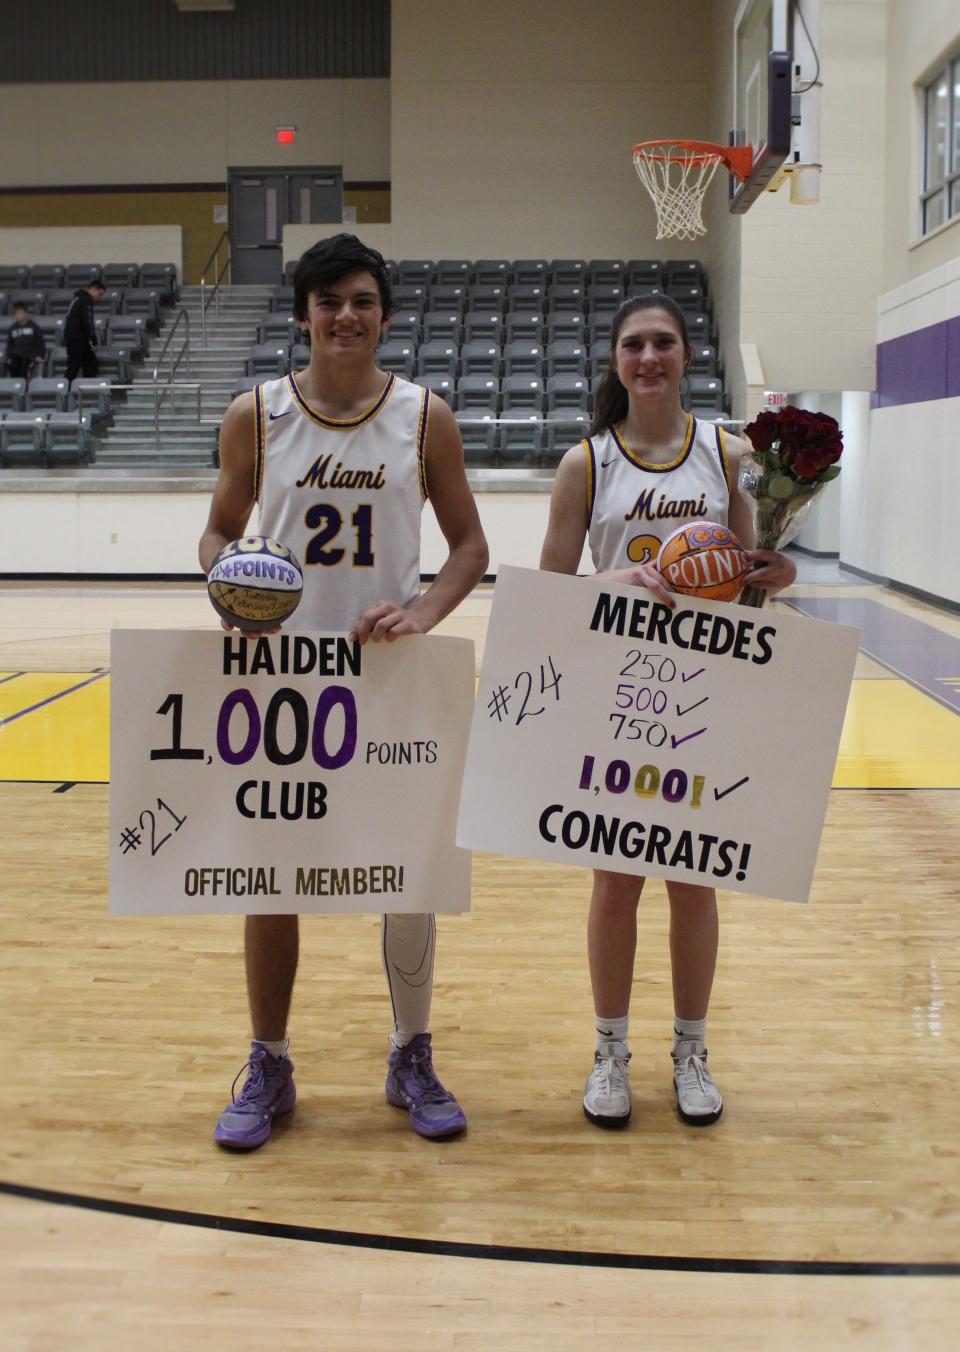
x: 292, y: 446
x: 644, y: 453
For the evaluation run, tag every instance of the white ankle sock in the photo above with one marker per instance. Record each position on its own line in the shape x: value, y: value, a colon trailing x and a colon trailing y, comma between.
x: 277, y: 1049
x: 689, y: 1030
x: 611, y: 1030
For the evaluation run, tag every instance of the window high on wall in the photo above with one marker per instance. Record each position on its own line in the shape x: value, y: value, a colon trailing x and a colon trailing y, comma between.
x: 940, y: 201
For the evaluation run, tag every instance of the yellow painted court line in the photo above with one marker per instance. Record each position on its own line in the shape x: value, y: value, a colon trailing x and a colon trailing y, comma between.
x: 893, y: 736
x: 66, y: 740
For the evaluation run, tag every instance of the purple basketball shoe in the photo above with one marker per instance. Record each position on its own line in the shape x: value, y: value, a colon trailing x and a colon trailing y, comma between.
x: 412, y: 1084
x: 268, y: 1092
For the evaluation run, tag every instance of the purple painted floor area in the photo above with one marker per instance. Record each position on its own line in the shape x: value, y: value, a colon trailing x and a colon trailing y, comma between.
x: 926, y: 657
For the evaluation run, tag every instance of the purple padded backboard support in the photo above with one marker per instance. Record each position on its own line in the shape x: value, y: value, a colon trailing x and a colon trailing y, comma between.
x: 777, y: 147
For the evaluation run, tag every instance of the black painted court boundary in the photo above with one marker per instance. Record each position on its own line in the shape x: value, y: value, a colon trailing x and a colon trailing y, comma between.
x: 503, y: 1252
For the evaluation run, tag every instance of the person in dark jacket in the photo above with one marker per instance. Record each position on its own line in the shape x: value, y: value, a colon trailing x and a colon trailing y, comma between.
x: 26, y: 347
x: 79, y: 334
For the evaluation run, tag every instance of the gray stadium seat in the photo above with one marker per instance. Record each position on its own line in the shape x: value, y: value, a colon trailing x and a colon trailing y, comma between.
x: 563, y: 433
x: 441, y: 324
x: 483, y: 325
x: 491, y: 271
x: 566, y: 356
x: 114, y: 361
x: 480, y: 358
x: 47, y: 395
x: 480, y: 439
x: 397, y: 355
x: 278, y: 328
x: 52, y: 329
x: 21, y: 440
x: 690, y: 298
x: 438, y: 357
x: 14, y: 277
x: 704, y: 360
x: 523, y: 394
x: 440, y: 385
x: 480, y: 394
x: 604, y: 297
x: 244, y: 385
x: 162, y: 278
x: 268, y: 359
x: 47, y: 276
x: 91, y: 396
x: 523, y: 357
x: 568, y: 296
x: 705, y: 396
x: 521, y: 296
x: 447, y: 298
x: 566, y: 392
x: 521, y: 440
x: 453, y: 272
x: 58, y: 300
x: 410, y: 271
x: 141, y: 300
x: 81, y: 274
x: 128, y: 331
x: 405, y: 325
x: 566, y: 325
x: 35, y: 301
x: 676, y: 271
x: 68, y: 440
x: 605, y: 272
x: 411, y: 298
x: 491, y: 298
x: 299, y: 356
x: 12, y: 394
x: 698, y: 329
x: 282, y: 299
x: 600, y: 328
x: 644, y: 272
x: 121, y: 274
x: 527, y: 325
x: 568, y: 272
x: 529, y: 272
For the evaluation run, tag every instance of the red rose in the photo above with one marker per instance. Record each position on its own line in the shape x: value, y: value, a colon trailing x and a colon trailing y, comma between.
x: 763, y: 431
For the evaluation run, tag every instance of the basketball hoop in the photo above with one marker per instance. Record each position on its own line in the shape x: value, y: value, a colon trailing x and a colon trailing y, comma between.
x: 677, y: 174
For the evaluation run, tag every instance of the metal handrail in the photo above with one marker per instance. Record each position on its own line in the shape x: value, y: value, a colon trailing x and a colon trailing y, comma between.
x: 214, y: 296
x: 158, y: 394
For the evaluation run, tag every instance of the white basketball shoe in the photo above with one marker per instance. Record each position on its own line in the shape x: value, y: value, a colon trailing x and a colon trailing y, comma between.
x: 698, y: 1099
x: 606, y: 1100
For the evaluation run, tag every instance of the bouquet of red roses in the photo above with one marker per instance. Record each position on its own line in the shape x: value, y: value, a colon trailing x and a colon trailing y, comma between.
x: 795, y: 453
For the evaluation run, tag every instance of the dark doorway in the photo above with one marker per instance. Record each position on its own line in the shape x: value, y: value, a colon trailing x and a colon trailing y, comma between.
x: 262, y: 202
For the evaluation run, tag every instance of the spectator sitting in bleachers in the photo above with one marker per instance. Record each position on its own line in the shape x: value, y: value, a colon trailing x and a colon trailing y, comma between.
x: 79, y: 333
x: 26, y: 346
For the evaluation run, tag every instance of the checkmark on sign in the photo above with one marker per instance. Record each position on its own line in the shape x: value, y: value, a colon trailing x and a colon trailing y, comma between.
x: 684, y: 677
x: 678, y: 741
x: 690, y: 707
x: 717, y: 795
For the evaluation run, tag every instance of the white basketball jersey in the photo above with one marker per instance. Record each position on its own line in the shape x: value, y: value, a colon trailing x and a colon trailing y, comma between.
x: 346, y: 497
x: 632, y: 506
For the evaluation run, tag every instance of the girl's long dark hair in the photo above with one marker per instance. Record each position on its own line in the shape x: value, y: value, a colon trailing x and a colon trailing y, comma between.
x: 611, y: 401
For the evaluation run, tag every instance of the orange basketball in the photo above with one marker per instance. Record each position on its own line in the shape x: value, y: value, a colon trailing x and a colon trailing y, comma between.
x: 704, y: 559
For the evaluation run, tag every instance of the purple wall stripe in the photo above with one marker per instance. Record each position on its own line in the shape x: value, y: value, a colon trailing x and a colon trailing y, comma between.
x: 912, y: 369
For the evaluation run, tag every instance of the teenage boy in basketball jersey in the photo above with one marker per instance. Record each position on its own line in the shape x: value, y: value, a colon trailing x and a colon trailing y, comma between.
x: 340, y: 458
x: 647, y: 468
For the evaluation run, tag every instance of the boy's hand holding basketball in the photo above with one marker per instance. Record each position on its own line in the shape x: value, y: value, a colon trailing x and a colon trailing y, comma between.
x: 641, y: 575
x: 772, y: 570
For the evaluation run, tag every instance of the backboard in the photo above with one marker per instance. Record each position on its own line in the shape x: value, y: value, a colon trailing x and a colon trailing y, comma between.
x: 762, y: 84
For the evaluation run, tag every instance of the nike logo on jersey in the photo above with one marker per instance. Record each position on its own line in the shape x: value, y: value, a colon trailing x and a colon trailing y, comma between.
x: 605, y: 464
x: 274, y: 416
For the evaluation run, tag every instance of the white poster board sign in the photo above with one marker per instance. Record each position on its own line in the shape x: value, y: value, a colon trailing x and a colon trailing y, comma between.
x: 294, y: 773
x: 696, y: 744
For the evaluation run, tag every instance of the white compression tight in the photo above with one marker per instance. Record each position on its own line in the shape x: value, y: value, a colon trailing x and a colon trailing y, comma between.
x: 407, y: 944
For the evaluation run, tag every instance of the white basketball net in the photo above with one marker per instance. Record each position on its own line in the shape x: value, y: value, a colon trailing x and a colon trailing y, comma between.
x: 677, y: 179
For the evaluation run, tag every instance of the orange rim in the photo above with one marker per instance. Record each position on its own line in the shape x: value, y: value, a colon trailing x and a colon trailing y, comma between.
x: 737, y: 159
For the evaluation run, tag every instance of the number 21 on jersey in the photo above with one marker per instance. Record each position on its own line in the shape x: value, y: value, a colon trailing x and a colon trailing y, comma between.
x: 327, y: 521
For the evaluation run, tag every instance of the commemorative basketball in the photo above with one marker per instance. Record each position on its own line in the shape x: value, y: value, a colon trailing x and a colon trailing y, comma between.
x: 255, y: 583
x: 706, y: 560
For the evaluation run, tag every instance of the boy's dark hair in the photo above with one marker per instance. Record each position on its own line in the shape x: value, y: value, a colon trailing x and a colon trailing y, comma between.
x: 333, y: 258
x: 611, y: 401
x: 21, y: 306
x: 99, y: 285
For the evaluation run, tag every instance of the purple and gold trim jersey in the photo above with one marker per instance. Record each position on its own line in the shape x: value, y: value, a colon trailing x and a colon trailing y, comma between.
x: 632, y: 506
x: 345, y: 496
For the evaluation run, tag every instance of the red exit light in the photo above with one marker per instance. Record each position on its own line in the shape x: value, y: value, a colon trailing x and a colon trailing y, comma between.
x: 286, y: 135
